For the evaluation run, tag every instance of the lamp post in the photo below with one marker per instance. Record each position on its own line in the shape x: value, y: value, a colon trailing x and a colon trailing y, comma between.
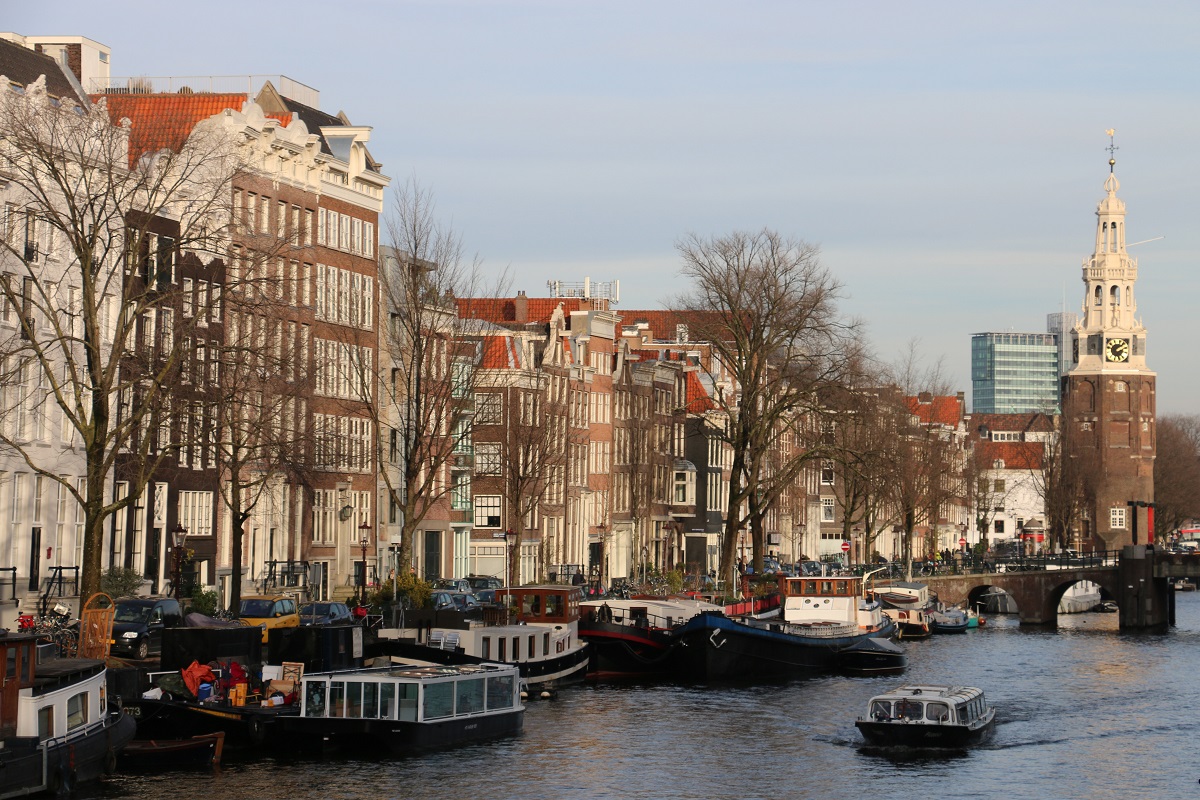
x: 179, y: 549
x: 510, y: 557
x: 364, y: 538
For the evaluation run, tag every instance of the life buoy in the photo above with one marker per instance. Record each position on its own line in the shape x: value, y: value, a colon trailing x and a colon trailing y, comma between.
x: 256, y: 729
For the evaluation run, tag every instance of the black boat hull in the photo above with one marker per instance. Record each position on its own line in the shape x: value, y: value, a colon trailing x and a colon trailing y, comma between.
x: 627, y: 651
x: 395, y: 737
x: 917, y: 735
x: 245, y: 727
x: 716, y: 648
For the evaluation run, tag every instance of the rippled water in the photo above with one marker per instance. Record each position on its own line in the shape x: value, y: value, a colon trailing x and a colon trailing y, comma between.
x: 1082, y: 712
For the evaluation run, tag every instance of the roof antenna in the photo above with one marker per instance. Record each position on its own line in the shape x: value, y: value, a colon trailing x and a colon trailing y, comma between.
x: 1112, y: 149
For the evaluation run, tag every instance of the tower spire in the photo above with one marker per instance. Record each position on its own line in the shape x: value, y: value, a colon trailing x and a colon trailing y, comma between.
x: 1112, y: 149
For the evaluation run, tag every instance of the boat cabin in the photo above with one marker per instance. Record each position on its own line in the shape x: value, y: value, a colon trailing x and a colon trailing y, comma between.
x: 929, y: 705
x: 58, y: 697
x: 541, y: 604
x: 822, y: 600
x: 412, y: 694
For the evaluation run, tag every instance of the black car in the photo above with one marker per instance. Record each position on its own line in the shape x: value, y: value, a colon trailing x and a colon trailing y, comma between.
x: 326, y: 614
x: 139, y: 622
x: 479, y: 582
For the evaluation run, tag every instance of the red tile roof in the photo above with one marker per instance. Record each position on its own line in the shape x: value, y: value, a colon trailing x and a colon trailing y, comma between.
x: 503, y: 310
x: 166, y: 120
x: 698, y: 399
x: 500, y: 352
x: 663, y: 324
x: 941, y: 410
x: 1015, y: 455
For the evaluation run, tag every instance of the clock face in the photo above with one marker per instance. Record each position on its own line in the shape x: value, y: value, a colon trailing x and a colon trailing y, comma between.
x: 1117, y: 350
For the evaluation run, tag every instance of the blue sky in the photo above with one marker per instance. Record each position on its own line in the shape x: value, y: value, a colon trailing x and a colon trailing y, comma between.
x: 947, y: 157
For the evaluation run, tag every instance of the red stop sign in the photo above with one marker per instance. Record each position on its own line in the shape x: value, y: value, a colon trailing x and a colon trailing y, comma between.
x: 845, y: 547
x: 962, y: 542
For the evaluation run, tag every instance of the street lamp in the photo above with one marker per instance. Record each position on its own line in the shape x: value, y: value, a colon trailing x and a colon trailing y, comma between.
x: 179, y: 549
x: 510, y: 559
x: 364, y: 538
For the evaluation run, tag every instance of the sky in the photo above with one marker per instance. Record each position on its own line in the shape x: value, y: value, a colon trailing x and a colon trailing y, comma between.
x: 946, y: 157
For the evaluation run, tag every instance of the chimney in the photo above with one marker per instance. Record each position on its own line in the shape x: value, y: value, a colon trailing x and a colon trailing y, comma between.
x: 521, y: 307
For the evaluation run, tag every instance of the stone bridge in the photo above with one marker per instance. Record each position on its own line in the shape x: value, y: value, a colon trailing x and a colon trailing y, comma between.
x: 1036, y: 594
x: 1142, y: 592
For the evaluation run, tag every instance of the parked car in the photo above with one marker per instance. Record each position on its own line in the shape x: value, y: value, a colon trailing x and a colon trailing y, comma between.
x: 479, y: 582
x: 325, y: 614
x: 138, y: 624
x: 452, y: 584
x: 486, y: 597
x: 269, y: 611
x: 444, y: 600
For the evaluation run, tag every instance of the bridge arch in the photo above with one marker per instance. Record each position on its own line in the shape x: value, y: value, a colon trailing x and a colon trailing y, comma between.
x: 1037, y: 594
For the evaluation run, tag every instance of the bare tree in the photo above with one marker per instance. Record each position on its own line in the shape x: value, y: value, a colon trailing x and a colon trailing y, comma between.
x: 1176, y: 474
x: 429, y: 357
x: 92, y: 235
x: 769, y: 310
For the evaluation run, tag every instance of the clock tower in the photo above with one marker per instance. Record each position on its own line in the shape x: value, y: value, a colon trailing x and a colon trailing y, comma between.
x: 1108, y: 394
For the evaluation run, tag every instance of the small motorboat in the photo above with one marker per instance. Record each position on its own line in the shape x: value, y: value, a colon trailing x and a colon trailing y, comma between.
x: 928, y: 716
x: 1106, y: 607
x: 202, y: 752
x: 950, y: 620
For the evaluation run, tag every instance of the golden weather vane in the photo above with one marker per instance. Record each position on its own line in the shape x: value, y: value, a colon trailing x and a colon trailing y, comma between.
x: 1112, y: 148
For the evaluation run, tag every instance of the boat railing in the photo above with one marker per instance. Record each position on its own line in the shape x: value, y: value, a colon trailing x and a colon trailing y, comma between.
x: 636, y: 617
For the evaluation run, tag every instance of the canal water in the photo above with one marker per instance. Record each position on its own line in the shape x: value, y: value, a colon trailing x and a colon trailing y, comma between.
x: 1083, y: 712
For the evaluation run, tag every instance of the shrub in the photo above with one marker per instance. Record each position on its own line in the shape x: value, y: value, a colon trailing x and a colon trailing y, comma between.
x: 121, y: 582
x: 411, y: 591
x: 204, y: 601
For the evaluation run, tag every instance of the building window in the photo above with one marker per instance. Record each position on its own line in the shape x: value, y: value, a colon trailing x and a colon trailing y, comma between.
x: 827, y: 473
x: 1116, y: 517
x: 487, y: 511
x: 998, y: 527
x: 998, y: 485
x: 489, y: 408
x: 827, y: 509
x: 487, y: 458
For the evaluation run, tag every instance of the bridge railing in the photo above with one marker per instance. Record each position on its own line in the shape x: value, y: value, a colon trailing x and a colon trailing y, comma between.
x: 972, y: 564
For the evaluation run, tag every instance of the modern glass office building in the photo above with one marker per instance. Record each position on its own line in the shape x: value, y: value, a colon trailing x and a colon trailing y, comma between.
x: 1014, y: 373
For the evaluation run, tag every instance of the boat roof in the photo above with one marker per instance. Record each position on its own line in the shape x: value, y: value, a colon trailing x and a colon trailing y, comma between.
x: 418, y: 671
x: 958, y: 694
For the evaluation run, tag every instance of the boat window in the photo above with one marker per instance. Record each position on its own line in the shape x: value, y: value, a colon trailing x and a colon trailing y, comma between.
x: 910, y: 709
x: 546, y: 643
x: 500, y: 692
x: 45, y: 722
x: 810, y: 587
x: 532, y: 645
x: 502, y: 654
x: 438, y: 700
x: 337, y: 699
x: 353, y: 699
x: 486, y: 648
x: 826, y: 587
x: 387, y: 701
x: 516, y: 648
x: 77, y: 710
x: 10, y: 671
x: 531, y: 605
x: 314, y: 698
x: 27, y: 662
x: 938, y: 712
x: 962, y: 715
x: 407, y: 693
x: 469, y: 696
x: 554, y: 605
x: 881, y: 709
x: 370, y: 700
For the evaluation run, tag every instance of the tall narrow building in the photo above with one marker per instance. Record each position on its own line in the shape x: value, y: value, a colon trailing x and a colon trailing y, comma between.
x: 1109, y: 402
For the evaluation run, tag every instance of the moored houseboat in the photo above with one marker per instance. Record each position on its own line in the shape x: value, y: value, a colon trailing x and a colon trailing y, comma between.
x: 635, y: 637
x: 825, y: 625
x: 536, y: 628
x: 910, y: 605
x: 928, y: 716
x: 406, y: 709
x: 57, y: 729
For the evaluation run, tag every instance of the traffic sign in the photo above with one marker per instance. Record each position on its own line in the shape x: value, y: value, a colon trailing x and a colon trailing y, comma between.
x: 845, y: 547
x: 962, y: 542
